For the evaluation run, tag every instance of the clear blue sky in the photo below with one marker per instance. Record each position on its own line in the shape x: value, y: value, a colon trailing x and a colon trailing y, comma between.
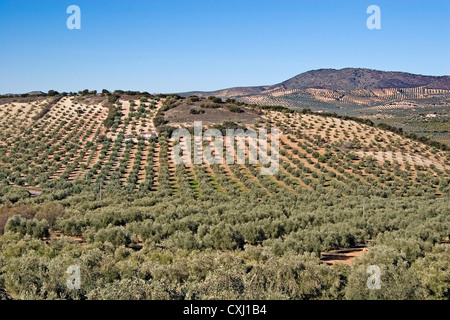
x: 183, y: 45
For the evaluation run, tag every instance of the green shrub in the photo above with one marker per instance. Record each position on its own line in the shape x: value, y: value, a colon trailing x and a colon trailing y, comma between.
x: 34, y: 228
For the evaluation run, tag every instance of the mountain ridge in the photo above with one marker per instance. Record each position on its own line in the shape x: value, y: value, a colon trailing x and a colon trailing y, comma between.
x: 339, y: 79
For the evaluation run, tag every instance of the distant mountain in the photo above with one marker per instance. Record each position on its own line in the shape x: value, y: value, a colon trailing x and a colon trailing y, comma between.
x: 355, y: 79
x: 343, y: 79
x: 326, y: 88
x: 32, y: 93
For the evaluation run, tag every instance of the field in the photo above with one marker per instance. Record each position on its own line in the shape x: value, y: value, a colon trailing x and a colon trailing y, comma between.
x: 113, y: 202
x: 435, y: 125
x: 409, y: 106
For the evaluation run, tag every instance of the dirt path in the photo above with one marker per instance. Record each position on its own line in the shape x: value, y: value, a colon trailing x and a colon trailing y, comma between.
x: 345, y: 256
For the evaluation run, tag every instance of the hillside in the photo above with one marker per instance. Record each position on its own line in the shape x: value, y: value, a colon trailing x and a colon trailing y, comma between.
x: 404, y: 98
x: 141, y: 227
x: 54, y: 140
x: 346, y: 79
x: 359, y: 79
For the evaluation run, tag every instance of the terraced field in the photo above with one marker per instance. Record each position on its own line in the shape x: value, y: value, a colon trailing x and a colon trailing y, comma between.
x: 333, y: 100
x: 71, y: 143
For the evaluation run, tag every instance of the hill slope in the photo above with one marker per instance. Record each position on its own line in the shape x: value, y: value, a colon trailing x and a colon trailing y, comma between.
x: 402, y: 99
x: 140, y: 226
x: 346, y: 79
x: 67, y: 141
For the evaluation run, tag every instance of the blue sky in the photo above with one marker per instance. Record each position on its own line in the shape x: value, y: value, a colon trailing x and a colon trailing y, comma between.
x: 184, y: 45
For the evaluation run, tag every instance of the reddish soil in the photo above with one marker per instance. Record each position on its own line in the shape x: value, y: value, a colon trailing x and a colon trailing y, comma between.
x: 345, y: 256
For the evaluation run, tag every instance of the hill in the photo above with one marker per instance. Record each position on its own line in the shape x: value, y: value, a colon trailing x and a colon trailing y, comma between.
x: 404, y: 99
x: 346, y: 79
x: 359, y: 79
x: 139, y: 226
x: 68, y: 139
